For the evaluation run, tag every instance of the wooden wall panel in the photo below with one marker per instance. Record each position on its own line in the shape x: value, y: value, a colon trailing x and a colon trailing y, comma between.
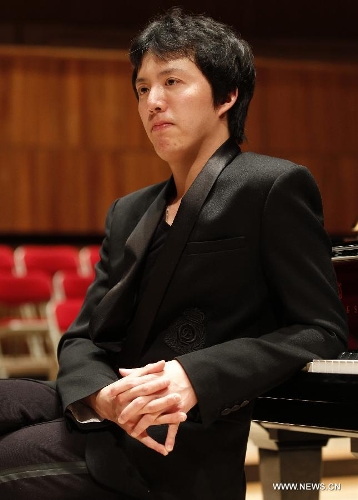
x: 69, y: 191
x: 54, y: 102
x: 307, y: 112
x: 71, y: 141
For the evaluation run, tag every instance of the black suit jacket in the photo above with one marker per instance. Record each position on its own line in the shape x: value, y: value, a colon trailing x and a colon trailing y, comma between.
x: 250, y: 298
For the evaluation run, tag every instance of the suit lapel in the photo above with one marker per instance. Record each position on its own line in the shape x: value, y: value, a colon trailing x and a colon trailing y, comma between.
x: 112, y: 313
x: 166, y: 263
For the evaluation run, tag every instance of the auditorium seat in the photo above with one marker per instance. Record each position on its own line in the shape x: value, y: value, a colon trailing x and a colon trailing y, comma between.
x: 70, y: 284
x: 6, y: 258
x: 26, y: 348
x: 47, y: 258
x: 60, y: 315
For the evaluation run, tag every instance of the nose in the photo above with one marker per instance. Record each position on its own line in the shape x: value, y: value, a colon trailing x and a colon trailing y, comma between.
x: 155, y: 99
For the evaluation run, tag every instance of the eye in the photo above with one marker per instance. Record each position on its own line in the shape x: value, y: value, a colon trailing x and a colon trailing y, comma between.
x: 142, y: 90
x: 171, y: 81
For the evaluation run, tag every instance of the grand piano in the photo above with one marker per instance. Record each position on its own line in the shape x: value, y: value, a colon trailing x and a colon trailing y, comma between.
x: 296, y: 419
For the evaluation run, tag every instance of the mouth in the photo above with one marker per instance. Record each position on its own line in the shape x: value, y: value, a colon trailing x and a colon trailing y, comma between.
x: 160, y: 126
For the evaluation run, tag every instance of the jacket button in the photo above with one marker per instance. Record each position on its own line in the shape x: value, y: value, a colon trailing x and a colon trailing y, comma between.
x: 226, y: 411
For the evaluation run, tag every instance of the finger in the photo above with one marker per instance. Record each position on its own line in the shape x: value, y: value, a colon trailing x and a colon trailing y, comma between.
x: 170, y: 418
x: 170, y: 439
x: 149, y: 388
x: 134, y: 399
x: 128, y: 383
x: 158, y: 419
x: 156, y: 367
x: 150, y: 404
x: 163, y: 403
x: 134, y: 410
x: 154, y: 445
x: 148, y: 441
x: 126, y: 371
x: 142, y: 425
x: 156, y: 403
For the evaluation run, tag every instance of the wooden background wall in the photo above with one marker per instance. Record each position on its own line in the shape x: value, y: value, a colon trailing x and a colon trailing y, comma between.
x: 307, y: 112
x: 71, y: 140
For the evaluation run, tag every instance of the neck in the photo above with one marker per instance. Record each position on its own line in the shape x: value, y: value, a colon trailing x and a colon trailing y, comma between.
x: 183, y: 180
x: 187, y: 169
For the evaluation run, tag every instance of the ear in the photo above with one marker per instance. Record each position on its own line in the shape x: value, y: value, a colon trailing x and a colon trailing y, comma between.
x: 229, y: 102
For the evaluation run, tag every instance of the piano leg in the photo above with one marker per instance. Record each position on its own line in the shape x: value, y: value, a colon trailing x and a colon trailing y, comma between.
x: 354, y: 446
x: 291, y: 460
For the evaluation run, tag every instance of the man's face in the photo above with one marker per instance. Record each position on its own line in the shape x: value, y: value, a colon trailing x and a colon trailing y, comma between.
x: 177, y: 110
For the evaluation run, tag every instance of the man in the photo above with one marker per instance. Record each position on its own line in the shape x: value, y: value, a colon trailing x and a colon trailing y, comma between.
x: 212, y: 288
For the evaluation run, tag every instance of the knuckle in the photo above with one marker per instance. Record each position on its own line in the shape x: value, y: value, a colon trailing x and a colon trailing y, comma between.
x: 148, y: 419
x: 130, y: 384
x: 119, y: 399
x: 152, y: 406
x: 138, y: 402
x: 146, y: 389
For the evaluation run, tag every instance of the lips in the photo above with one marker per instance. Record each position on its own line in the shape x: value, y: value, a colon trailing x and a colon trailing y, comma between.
x: 160, y: 126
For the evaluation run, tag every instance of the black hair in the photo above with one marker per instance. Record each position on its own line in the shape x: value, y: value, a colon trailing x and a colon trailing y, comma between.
x: 224, y: 58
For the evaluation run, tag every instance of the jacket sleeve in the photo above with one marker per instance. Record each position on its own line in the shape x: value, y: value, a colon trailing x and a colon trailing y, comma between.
x: 310, y: 318
x: 83, y: 367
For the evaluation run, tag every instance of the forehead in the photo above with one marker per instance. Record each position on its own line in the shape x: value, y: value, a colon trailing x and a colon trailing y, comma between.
x: 153, y: 64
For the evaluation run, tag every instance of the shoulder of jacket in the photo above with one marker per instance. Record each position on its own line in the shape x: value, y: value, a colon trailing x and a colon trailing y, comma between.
x: 265, y: 162
x: 264, y: 167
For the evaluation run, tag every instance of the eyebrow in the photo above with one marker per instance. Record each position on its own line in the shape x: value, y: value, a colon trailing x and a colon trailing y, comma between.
x: 164, y: 72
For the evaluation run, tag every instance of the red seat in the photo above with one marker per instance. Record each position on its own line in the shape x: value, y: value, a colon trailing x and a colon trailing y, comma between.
x: 70, y: 284
x: 61, y: 313
x: 47, y: 258
x: 6, y: 258
x: 26, y: 347
x: 32, y: 289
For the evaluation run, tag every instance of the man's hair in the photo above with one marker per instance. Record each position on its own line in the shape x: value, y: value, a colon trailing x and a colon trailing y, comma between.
x: 223, y: 57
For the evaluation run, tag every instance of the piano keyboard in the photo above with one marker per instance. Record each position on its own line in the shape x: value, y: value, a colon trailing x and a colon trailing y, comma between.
x: 346, y: 366
x: 347, y: 363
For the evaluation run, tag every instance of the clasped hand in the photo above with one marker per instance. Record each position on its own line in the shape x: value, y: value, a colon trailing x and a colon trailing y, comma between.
x: 156, y: 394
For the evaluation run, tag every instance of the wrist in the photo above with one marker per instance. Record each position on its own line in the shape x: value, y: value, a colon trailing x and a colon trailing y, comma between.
x: 91, y: 400
x: 184, y: 386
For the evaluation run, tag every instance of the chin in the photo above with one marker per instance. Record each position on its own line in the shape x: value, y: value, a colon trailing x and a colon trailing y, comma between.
x: 167, y: 152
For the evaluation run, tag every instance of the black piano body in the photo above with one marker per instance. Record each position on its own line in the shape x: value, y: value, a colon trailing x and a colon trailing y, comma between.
x: 297, y: 418
x: 345, y: 261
